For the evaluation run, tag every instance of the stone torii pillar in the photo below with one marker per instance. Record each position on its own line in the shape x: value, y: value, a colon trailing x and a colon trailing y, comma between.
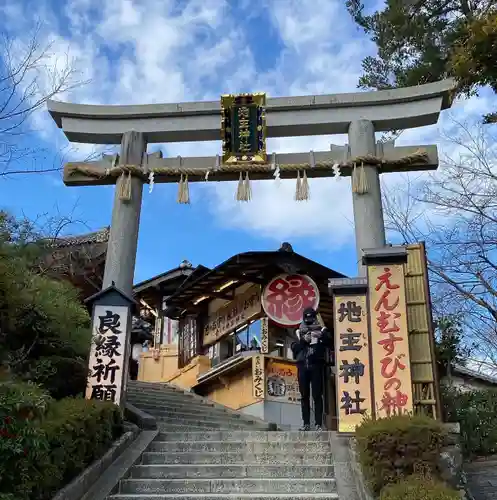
x: 369, y: 224
x: 123, y: 237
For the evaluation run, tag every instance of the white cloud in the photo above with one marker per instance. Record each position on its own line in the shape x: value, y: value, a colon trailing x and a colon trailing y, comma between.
x: 165, y: 51
x: 273, y: 211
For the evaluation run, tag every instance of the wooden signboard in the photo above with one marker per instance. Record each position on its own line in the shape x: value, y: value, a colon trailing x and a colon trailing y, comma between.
x: 352, y: 361
x: 107, y: 353
x: 243, y: 128
x: 282, y: 382
x: 258, y: 377
x: 264, y: 335
x: 391, y: 367
x: 236, y: 313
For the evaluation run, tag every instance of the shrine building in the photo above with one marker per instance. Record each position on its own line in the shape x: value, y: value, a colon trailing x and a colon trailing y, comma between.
x: 225, y: 333
x: 218, y: 324
x: 80, y: 260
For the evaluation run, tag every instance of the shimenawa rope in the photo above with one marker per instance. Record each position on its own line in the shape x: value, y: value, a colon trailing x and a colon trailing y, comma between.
x: 244, y: 192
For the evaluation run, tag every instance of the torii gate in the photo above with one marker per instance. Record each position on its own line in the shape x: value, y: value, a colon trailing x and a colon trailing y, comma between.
x: 359, y: 115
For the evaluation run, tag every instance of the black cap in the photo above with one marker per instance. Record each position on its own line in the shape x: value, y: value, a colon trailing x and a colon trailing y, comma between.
x: 309, y: 311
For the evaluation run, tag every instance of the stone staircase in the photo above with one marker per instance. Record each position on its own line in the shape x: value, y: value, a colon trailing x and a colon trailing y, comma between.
x: 207, y: 452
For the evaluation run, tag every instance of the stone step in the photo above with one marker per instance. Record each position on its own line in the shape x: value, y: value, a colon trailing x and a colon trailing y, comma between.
x: 230, y: 471
x: 160, y: 394
x: 178, y: 408
x: 166, y: 403
x: 193, y: 406
x: 227, y: 496
x: 207, y: 423
x: 190, y: 410
x: 177, y: 429
x: 192, y: 414
x: 160, y: 388
x: 230, y: 457
x: 214, y: 416
x: 246, y: 447
x: 171, y: 400
x: 152, y: 385
x: 178, y: 486
x: 244, y: 436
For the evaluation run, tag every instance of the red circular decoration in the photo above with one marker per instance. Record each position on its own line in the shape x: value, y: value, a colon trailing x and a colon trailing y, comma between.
x: 285, y: 297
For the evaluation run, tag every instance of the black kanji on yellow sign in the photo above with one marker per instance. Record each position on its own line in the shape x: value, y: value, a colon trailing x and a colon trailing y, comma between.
x: 243, y: 128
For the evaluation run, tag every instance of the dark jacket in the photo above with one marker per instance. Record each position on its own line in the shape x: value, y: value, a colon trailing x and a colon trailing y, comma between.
x: 308, y: 355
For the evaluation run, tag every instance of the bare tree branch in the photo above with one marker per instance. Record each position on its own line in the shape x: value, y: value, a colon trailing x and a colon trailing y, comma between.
x: 455, y: 212
x: 30, y: 74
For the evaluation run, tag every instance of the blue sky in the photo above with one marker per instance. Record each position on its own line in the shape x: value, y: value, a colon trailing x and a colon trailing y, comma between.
x: 145, y: 51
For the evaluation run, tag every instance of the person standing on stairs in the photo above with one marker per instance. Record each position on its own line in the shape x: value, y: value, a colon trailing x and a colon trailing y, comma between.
x: 134, y: 361
x: 310, y: 354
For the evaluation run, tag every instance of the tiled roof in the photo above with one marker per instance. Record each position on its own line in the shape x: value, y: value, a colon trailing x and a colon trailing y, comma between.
x: 101, y: 236
x: 468, y: 372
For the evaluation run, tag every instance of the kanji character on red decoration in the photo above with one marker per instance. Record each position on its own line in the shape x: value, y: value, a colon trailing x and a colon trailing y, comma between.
x: 289, y: 297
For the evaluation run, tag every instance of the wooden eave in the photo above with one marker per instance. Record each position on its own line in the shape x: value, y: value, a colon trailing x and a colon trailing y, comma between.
x: 251, y: 267
x: 154, y: 289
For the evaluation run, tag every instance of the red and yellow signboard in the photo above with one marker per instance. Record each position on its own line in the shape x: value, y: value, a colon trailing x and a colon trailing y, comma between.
x: 352, y: 361
x: 392, y: 384
x: 285, y: 297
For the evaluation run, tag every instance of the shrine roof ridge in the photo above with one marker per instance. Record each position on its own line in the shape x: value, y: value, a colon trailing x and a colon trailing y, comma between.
x: 391, y: 109
x: 156, y: 280
x: 100, y: 236
x: 244, y: 267
x: 464, y: 370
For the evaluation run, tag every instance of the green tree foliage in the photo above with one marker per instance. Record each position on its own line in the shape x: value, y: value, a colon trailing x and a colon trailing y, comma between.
x: 476, y: 412
x: 423, y: 41
x: 40, y: 317
x: 449, y: 347
x: 419, y: 488
x: 394, y: 448
x: 23, y: 444
x: 44, y: 443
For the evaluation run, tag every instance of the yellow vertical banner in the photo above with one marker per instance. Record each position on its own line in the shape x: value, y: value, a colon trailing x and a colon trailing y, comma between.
x: 352, y: 361
x: 258, y: 377
x: 392, y: 386
x: 264, y: 335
